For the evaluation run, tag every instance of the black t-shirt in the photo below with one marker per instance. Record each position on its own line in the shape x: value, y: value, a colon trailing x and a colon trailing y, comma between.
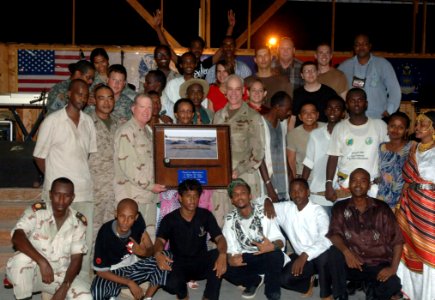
x: 110, y: 249
x: 201, y: 68
x: 319, y: 97
x: 188, y: 239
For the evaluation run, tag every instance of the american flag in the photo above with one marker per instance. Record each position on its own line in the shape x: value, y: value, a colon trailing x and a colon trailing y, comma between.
x: 40, y: 69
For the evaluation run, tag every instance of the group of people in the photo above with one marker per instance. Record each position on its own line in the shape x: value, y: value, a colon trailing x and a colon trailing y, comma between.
x: 321, y: 186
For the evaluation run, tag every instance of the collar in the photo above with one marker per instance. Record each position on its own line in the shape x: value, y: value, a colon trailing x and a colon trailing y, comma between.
x: 370, y: 203
x: 121, y: 236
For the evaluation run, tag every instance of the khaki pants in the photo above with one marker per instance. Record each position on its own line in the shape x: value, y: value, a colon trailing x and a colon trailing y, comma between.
x: 149, y: 213
x: 86, y: 209
x: 25, y: 275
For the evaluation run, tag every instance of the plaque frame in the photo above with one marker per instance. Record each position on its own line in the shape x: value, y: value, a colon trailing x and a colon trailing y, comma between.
x: 199, y: 139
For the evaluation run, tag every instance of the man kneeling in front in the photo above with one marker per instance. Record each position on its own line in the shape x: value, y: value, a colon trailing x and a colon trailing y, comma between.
x: 255, y: 245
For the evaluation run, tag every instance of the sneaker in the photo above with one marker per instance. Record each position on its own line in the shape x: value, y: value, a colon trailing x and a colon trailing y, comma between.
x: 251, y: 291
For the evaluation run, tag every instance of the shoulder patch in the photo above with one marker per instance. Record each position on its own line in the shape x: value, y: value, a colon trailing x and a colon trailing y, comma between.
x: 38, y: 206
x: 82, y: 218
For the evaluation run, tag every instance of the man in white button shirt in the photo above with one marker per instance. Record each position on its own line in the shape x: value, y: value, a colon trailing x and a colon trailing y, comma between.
x: 65, y: 140
x: 306, y: 225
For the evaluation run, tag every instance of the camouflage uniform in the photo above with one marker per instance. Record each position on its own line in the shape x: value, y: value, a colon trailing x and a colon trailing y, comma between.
x: 134, y: 170
x: 122, y: 109
x: 102, y: 172
x: 247, y: 152
x: 58, y: 96
x: 55, y: 245
x: 97, y: 80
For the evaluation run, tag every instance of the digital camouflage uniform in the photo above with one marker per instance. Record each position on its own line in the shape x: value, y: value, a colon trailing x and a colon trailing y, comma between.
x: 58, y: 96
x: 247, y: 152
x: 103, y: 172
x: 97, y: 80
x: 134, y: 170
x: 55, y: 245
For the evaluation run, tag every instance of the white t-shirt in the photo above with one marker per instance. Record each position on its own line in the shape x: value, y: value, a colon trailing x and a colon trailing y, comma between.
x: 171, y: 94
x: 65, y: 148
x: 316, y: 159
x: 357, y: 147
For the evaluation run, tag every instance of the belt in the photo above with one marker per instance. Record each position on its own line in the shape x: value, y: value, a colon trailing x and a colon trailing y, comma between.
x: 422, y: 186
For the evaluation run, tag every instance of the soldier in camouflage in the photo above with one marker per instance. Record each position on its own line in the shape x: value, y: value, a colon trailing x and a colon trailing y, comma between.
x: 49, y: 254
x: 101, y: 162
x: 57, y: 96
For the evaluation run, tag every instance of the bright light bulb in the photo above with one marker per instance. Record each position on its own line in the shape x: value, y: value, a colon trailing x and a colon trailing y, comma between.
x: 272, y: 41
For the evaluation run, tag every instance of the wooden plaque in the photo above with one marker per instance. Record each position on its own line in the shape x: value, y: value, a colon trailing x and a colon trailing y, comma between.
x: 199, y: 152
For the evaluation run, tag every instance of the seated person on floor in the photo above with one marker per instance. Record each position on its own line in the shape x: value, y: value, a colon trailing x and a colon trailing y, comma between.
x: 255, y: 245
x: 367, y: 243
x: 186, y: 230
x: 50, y: 242
x: 123, y: 256
x: 305, y: 224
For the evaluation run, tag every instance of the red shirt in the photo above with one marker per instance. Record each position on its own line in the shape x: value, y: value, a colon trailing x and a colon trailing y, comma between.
x: 218, y: 98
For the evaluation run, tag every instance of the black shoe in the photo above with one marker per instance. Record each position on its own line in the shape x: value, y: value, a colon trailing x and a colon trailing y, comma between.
x: 369, y: 290
x: 251, y: 291
x: 353, y: 286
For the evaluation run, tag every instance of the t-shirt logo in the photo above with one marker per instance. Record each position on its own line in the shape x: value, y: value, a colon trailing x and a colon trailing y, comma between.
x: 130, y: 247
x: 349, y: 142
x: 98, y: 260
x: 369, y: 141
x: 201, y: 231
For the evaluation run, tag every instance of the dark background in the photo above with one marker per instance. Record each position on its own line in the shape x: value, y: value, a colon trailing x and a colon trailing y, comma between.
x: 115, y: 22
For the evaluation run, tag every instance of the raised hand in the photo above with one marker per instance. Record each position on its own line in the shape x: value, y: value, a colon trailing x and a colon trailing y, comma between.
x: 231, y: 18
x: 157, y: 19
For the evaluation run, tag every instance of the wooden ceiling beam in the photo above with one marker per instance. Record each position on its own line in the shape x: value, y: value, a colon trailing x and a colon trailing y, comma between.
x: 260, y: 21
x: 149, y: 19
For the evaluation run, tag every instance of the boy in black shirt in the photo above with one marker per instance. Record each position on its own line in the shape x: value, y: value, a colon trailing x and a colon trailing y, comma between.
x: 119, y: 248
x: 186, y: 229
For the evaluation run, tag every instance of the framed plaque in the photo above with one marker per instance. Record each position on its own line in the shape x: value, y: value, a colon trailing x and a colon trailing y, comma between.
x: 199, y: 152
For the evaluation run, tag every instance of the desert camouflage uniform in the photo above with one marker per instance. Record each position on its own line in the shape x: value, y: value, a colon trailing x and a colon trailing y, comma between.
x: 55, y: 245
x: 102, y: 172
x: 58, y: 96
x: 247, y: 152
x: 134, y: 170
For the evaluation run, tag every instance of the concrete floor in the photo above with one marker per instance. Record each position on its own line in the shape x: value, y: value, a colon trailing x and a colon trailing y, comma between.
x: 228, y: 292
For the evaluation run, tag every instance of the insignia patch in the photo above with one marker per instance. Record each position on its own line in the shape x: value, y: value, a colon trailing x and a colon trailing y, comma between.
x: 98, y: 260
x: 130, y: 247
x: 39, y: 205
x: 82, y: 218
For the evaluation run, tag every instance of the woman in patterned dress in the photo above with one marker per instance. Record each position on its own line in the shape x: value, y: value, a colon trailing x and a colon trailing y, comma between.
x: 392, y: 157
